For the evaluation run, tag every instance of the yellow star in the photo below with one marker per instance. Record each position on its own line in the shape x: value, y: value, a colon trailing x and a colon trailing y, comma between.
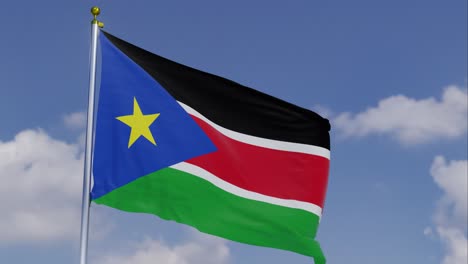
x: 139, y: 123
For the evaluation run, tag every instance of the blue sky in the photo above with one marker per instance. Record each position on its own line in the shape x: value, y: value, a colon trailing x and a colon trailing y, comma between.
x: 390, y: 75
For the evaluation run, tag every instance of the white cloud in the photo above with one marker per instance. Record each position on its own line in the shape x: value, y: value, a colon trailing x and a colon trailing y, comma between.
x: 41, y: 188
x: 75, y: 120
x: 452, y: 178
x: 451, y: 213
x: 456, y: 244
x: 410, y: 120
x: 201, y: 249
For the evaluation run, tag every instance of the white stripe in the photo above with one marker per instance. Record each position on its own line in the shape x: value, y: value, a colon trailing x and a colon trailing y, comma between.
x: 262, y: 142
x: 203, y: 174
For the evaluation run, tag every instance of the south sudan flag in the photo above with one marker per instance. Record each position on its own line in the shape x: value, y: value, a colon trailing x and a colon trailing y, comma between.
x: 202, y: 150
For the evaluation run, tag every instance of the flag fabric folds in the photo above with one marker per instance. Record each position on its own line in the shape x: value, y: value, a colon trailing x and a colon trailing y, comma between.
x: 202, y: 150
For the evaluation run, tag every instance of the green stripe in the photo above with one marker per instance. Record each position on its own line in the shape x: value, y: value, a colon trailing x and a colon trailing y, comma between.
x: 175, y: 195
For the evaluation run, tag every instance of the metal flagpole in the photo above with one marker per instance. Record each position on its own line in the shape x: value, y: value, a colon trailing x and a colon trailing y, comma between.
x: 95, y: 24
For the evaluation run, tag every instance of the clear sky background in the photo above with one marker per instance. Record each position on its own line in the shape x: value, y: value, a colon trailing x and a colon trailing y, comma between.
x: 390, y: 75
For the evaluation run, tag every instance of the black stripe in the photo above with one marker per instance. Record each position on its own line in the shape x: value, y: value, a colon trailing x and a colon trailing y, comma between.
x: 229, y: 104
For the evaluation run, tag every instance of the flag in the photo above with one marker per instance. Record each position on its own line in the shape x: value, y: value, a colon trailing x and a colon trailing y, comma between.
x: 201, y: 150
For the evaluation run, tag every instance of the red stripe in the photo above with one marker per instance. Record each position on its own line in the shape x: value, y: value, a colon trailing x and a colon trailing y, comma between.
x: 277, y: 173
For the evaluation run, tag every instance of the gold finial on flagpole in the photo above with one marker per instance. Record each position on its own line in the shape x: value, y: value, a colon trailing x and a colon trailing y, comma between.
x: 95, y: 11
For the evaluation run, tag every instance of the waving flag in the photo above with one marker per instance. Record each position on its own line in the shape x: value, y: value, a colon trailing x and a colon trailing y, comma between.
x: 202, y: 150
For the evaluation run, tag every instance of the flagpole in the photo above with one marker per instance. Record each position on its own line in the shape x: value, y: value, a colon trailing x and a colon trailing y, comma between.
x: 95, y: 24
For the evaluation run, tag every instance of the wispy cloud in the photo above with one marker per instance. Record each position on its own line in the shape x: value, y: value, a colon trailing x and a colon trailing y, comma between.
x: 199, y: 249
x: 76, y: 120
x: 323, y: 111
x: 411, y: 121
